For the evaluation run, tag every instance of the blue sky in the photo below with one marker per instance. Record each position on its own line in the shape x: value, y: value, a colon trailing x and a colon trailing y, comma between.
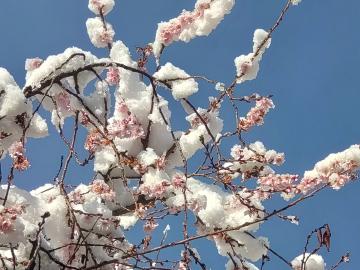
x: 311, y: 69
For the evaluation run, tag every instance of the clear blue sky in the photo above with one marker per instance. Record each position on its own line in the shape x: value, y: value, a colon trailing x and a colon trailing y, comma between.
x: 311, y: 68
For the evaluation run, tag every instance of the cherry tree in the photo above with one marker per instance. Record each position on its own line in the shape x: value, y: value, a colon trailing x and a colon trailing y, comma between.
x: 145, y: 170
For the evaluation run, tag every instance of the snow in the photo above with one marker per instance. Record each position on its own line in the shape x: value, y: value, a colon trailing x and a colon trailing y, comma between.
x: 182, y: 85
x: 311, y: 262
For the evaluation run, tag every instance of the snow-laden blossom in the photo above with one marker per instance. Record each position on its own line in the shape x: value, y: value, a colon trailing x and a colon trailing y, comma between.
x: 113, y: 76
x: 15, y: 114
x: 105, y: 6
x: 272, y: 157
x: 126, y: 128
x: 261, y: 41
x: 190, y: 142
x: 100, y: 35
x: 199, y: 118
x: 147, y: 157
x: 24, y: 210
x: 182, y: 266
x: 101, y: 188
x: 155, y: 183
x: 178, y: 181
x: 17, y: 153
x: 278, y: 183
x: 94, y: 141
x: 309, y: 262
x: 251, y: 161
x: 53, y: 65
x: 247, y: 66
x: 63, y: 101
x: 33, y: 63
x: 8, y: 216
x: 335, y: 170
x: 126, y: 125
x: 205, y: 17
x: 182, y: 85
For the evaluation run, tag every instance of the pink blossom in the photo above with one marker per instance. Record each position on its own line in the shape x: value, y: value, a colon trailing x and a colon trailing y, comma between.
x: 113, y: 76
x: 160, y: 163
x: 106, y: 36
x: 94, y: 141
x: 121, y: 106
x: 335, y: 170
x: 17, y: 153
x: 197, y: 121
x: 8, y: 216
x: 129, y: 127
x: 63, y: 101
x: 278, y: 182
x: 33, y: 63
x: 172, y: 30
x: 178, y: 181
x: 155, y: 191
x: 76, y: 197
x: 6, y: 225
x: 255, y: 117
x: 96, y: 3
x: 196, y: 205
x: 279, y: 159
x: 245, y: 67
x: 150, y: 225
x: 101, y: 188
x: 84, y: 118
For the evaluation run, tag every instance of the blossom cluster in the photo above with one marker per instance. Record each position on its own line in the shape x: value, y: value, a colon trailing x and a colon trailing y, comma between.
x: 335, y: 170
x: 255, y: 117
x: 251, y: 161
x: 247, y: 66
x: 17, y: 153
x: 207, y: 14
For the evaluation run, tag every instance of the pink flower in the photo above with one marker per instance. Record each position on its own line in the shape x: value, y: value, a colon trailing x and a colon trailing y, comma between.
x: 63, y: 101
x: 160, y: 163
x: 113, y: 76
x: 178, y: 181
x: 76, y: 197
x: 196, y: 205
x: 129, y: 127
x: 155, y: 191
x: 106, y: 36
x: 150, y: 225
x: 95, y: 141
x: 17, y: 153
x: 33, y: 63
x: 173, y: 29
x: 255, y: 117
x: 278, y: 182
x: 6, y: 225
x: 101, y: 188
x: 121, y: 106
x: 8, y: 216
